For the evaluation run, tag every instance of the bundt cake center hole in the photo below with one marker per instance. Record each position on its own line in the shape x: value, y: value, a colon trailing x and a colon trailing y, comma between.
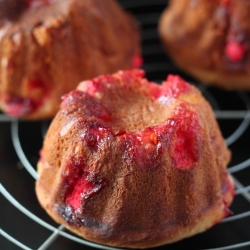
x: 135, y: 111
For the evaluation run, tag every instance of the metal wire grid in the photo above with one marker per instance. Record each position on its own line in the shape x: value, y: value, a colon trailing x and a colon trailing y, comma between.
x: 149, y: 49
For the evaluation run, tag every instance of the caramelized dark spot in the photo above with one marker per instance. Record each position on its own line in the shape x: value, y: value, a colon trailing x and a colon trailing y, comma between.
x: 76, y: 219
x: 68, y: 214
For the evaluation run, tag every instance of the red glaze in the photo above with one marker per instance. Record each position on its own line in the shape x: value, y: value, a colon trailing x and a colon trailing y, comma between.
x: 186, y: 147
x: 97, y: 85
x: 74, y: 199
x: 132, y: 77
x: 10, y: 64
x: 35, y: 84
x: 155, y: 90
x: 91, y: 88
x: 185, y: 153
x: 139, y: 148
x: 235, y: 51
x: 154, y: 138
x: 137, y: 61
x: 17, y: 106
x: 173, y: 87
x: 119, y: 132
x: 80, y: 185
x: 82, y: 188
x: 226, y: 3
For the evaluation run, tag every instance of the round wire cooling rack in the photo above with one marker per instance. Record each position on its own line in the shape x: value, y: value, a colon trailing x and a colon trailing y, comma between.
x: 24, y: 224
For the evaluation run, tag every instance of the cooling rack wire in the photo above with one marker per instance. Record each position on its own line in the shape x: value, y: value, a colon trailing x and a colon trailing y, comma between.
x: 157, y: 66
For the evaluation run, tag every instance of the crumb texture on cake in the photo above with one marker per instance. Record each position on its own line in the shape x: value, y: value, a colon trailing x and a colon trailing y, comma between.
x: 130, y: 163
x: 52, y: 45
x: 209, y: 39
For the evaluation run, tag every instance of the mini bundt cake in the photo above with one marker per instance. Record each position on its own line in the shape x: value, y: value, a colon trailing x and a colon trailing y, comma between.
x: 48, y: 46
x: 210, y: 40
x: 130, y: 163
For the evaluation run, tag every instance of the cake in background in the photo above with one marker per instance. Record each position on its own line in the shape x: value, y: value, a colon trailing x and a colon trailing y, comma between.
x: 210, y: 40
x: 48, y: 46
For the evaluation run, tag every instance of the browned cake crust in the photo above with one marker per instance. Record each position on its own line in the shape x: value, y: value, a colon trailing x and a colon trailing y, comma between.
x: 133, y: 164
x: 50, y: 47
x: 209, y: 39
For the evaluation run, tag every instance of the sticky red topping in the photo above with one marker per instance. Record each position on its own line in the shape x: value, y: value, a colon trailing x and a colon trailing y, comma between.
x: 119, y: 132
x: 185, y: 152
x: 142, y: 148
x: 10, y: 64
x: 137, y: 61
x: 82, y: 188
x: 186, y: 147
x: 132, y: 74
x: 172, y: 87
x: 226, y: 3
x: 95, y: 133
x: 155, y: 90
x: 80, y: 184
x: 91, y: 87
x: 74, y: 199
x: 97, y: 85
x: 17, y: 106
x: 235, y: 51
x: 35, y: 84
